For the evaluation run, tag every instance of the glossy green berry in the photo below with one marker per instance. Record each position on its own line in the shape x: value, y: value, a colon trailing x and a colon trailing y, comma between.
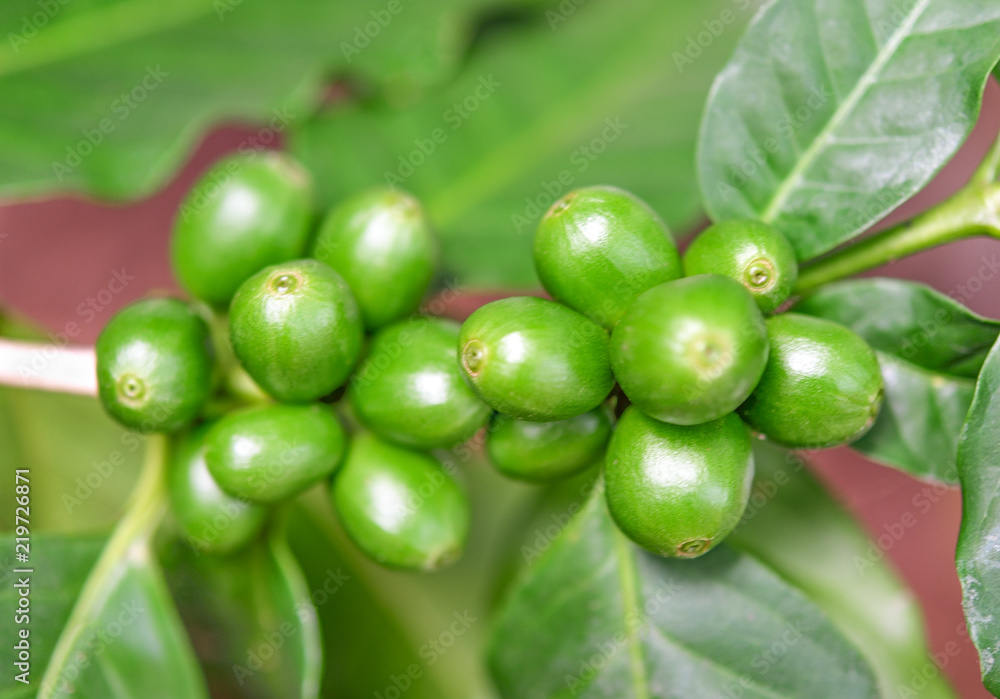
x: 410, y: 388
x: 678, y: 490
x: 598, y: 248
x: 296, y: 329
x: 690, y: 350
x: 753, y: 253
x: 269, y: 453
x: 212, y: 520
x: 535, y: 359
x: 822, y: 386
x: 399, y: 506
x: 382, y: 243
x: 245, y: 213
x: 540, y: 452
x: 154, y: 365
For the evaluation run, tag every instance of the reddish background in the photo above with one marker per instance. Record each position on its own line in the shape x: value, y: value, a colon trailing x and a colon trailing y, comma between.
x: 55, y: 254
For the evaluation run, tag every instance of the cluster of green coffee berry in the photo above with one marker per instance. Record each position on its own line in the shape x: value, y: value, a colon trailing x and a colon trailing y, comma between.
x: 248, y: 378
x: 694, y: 355
x: 296, y: 334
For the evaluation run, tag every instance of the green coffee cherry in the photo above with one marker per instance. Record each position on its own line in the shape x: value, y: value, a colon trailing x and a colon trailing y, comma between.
x: 212, y: 520
x: 535, y: 359
x: 541, y: 452
x: 753, y: 253
x: 598, y: 248
x: 399, y: 506
x: 269, y: 453
x: 410, y: 388
x: 690, y: 350
x: 381, y: 243
x: 822, y: 385
x: 154, y: 365
x: 678, y: 490
x: 296, y: 329
x: 245, y: 213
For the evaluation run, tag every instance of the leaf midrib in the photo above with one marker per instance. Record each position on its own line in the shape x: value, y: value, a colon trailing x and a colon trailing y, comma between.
x: 98, y: 29
x: 867, y: 79
x: 627, y: 574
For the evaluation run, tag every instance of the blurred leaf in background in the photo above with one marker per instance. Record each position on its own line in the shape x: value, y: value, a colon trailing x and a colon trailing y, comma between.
x: 109, y: 96
x: 596, y: 93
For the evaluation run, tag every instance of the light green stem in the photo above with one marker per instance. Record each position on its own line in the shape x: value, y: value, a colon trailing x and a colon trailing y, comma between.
x: 974, y: 211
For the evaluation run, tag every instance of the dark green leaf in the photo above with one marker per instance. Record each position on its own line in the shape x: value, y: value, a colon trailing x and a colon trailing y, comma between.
x: 250, y: 618
x: 108, y: 96
x: 910, y: 321
x: 830, y: 114
x: 61, y: 564
x: 598, y: 617
x: 979, y: 537
x: 794, y: 526
x: 606, y: 92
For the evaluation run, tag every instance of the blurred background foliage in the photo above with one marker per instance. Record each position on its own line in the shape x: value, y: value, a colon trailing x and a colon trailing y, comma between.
x: 486, y: 109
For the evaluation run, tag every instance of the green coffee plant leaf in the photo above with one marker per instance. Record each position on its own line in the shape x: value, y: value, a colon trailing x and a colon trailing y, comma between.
x: 910, y: 321
x: 123, y: 637
x: 599, y: 617
x: 109, y: 96
x: 386, y: 631
x: 918, y: 427
x: 831, y: 114
x: 365, y: 645
x: 930, y: 349
x: 253, y: 613
x: 101, y: 623
x: 604, y: 92
x: 848, y: 575
x: 976, y: 557
x: 60, y: 565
